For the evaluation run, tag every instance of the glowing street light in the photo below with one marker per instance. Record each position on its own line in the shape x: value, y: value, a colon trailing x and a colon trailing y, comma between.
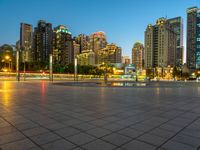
x: 7, y: 60
x: 7, y: 57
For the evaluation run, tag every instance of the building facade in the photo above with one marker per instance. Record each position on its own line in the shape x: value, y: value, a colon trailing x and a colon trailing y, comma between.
x: 63, y: 52
x: 138, y: 55
x: 160, y: 45
x: 97, y: 42
x: 26, y: 33
x: 87, y: 57
x: 83, y: 41
x: 193, y: 38
x: 126, y: 60
x: 177, y: 25
x: 110, y: 54
x: 149, y: 47
x: 42, y: 41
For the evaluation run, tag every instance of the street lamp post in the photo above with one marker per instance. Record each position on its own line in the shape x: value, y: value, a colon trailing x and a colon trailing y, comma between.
x: 17, y: 66
x: 10, y: 65
x: 51, y: 67
x: 3, y: 61
x: 136, y: 77
x: 75, y: 70
x: 24, y: 67
x: 105, y: 73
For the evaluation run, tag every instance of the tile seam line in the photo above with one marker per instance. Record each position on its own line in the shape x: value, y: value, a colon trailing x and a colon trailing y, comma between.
x: 177, y: 133
x: 51, y: 131
x: 136, y: 138
x: 22, y: 133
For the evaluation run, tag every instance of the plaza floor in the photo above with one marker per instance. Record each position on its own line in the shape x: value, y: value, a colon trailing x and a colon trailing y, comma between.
x: 41, y: 115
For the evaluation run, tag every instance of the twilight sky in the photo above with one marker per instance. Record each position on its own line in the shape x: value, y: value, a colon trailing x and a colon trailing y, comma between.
x: 123, y: 21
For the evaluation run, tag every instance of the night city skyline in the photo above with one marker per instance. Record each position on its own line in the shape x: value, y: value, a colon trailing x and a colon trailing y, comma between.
x: 123, y: 23
x: 100, y: 75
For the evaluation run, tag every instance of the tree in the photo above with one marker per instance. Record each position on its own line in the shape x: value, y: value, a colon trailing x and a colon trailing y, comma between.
x: 185, y: 75
x: 156, y: 72
x: 6, y: 50
x: 150, y: 73
x: 177, y: 72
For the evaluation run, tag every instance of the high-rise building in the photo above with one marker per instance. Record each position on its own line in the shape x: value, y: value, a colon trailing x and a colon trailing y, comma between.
x: 26, y: 32
x: 126, y: 60
x: 193, y: 38
x: 110, y: 54
x: 87, y: 57
x: 62, y: 46
x: 42, y: 42
x: 83, y: 41
x: 97, y: 42
x: 138, y: 55
x: 177, y: 25
x: 160, y: 45
x: 149, y: 47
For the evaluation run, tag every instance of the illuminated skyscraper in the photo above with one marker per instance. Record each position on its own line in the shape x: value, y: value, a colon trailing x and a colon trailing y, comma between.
x: 138, y: 55
x: 149, y: 47
x: 26, y: 33
x: 160, y: 45
x: 83, y: 41
x: 177, y: 24
x: 97, y: 42
x: 43, y: 36
x: 62, y: 46
x: 110, y: 54
x: 193, y: 38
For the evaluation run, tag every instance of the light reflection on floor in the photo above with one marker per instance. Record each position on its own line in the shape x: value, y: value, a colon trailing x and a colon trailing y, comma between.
x: 126, y: 84
x: 6, y: 93
x: 38, y: 106
x: 43, y: 88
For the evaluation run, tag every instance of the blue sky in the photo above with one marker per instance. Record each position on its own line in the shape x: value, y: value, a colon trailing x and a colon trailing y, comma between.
x: 123, y: 21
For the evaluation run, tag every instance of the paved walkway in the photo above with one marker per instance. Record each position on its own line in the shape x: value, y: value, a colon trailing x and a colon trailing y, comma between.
x: 47, y: 116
